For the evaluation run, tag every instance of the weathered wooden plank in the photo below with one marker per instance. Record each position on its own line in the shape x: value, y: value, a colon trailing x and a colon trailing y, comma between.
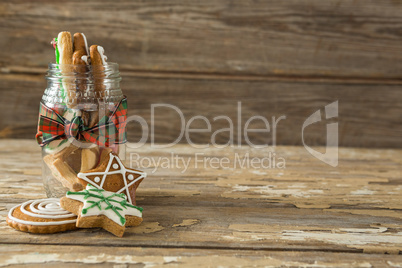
x: 238, y: 228
x: 293, y: 38
x: 65, y: 256
x: 306, y: 206
x: 369, y: 114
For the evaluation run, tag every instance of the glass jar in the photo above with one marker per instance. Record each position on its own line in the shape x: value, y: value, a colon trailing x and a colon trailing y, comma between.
x: 77, y: 121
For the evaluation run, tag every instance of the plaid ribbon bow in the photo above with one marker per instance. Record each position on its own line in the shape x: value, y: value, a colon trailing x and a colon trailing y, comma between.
x: 110, y: 129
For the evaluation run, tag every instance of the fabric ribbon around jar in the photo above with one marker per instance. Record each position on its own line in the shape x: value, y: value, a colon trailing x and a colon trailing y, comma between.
x: 109, y: 130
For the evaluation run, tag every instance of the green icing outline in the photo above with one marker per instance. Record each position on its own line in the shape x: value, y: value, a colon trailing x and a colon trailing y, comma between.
x: 56, y: 51
x: 57, y: 55
x: 107, y: 200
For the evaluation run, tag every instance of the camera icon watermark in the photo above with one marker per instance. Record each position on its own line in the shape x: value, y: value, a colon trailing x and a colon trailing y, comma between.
x: 330, y: 156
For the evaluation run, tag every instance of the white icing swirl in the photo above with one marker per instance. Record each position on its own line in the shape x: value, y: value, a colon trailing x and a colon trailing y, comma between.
x: 46, y: 209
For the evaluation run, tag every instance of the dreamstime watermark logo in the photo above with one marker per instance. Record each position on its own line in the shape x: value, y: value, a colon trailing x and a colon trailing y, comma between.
x: 238, y: 133
x: 185, y: 129
x: 242, y: 136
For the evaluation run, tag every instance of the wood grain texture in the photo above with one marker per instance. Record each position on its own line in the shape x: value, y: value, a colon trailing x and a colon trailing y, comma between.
x: 293, y: 38
x: 277, y: 57
x: 307, y: 206
x: 369, y: 115
x: 66, y: 256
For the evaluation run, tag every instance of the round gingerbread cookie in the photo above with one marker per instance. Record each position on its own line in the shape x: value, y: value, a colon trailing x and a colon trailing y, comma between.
x: 42, y: 216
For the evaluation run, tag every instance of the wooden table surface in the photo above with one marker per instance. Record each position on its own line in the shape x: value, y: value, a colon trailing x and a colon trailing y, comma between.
x: 308, y: 214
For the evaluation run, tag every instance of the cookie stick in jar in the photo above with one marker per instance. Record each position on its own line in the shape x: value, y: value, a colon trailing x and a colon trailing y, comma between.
x: 98, y: 61
x: 64, y: 57
x: 65, y: 47
x: 80, y: 61
x: 89, y: 156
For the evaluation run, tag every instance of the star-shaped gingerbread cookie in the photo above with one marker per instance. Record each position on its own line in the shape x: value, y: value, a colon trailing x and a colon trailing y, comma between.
x: 99, y: 208
x: 111, y: 175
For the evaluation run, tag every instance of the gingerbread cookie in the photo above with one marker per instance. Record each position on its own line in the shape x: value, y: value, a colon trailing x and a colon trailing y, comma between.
x: 80, y: 49
x: 80, y: 66
x: 98, y: 56
x: 89, y: 158
x: 65, y: 48
x: 68, y: 162
x: 100, y: 208
x: 65, y: 165
x: 71, y: 156
x: 98, y: 61
x: 112, y: 175
x: 43, y: 216
x: 90, y: 118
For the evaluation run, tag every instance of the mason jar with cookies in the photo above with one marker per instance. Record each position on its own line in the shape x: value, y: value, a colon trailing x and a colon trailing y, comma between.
x: 82, y: 122
x: 82, y: 132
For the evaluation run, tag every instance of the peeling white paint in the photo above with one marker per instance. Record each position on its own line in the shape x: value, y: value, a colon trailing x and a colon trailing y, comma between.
x: 36, y: 195
x: 362, y: 192
x: 269, y: 190
x: 367, y: 230
x: 351, y: 239
x: 30, y: 258
x: 169, y: 259
x: 157, y: 261
x: 37, y: 258
x: 395, y: 264
x: 316, y: 191
x: 258, y: 172
x: 186, y: 222
x: 297, y: 185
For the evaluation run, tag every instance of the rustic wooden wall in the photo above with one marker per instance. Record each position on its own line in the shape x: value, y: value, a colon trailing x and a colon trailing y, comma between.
x: 276, y: 57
